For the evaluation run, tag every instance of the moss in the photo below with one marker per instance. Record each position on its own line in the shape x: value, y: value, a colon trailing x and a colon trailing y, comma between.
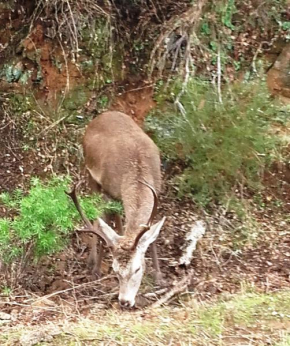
x: 25, y: 77
x: 76, y: 98
x: 96, y: 44
x: 33, y: 55
x: 21, y: 104
x: 87, y: 66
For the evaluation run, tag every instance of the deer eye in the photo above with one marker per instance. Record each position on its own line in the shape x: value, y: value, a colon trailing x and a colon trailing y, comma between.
x: 136, y: 271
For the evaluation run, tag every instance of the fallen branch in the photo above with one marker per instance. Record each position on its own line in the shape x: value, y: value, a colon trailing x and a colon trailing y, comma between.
x: 219, y: 76
x: 196, y: 232
x: 179, y: 287
x: 155, y: 294
x: 86, y: 284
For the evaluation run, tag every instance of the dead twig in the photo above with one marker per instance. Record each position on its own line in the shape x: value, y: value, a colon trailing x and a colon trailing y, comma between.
x: 219, y: 75
x: 86, y: 284
x: 187, y: 22
x: 179, y: 287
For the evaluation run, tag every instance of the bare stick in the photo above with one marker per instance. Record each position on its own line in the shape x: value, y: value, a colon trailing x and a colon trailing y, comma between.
x: 86, y: 284
x: 219, y: 75
x: 196, y: 232
x: 189, y: 19
x: 179, y: 287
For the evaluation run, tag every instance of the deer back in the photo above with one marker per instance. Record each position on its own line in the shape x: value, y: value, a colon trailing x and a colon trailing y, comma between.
x: 118, y: 155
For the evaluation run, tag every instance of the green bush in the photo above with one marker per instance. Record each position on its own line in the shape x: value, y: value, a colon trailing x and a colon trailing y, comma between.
x: 44, y: 220
x: 222, y: 145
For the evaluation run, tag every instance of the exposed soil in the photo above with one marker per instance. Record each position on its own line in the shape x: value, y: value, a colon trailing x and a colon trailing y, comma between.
x: 49, y: 57
x: 136, y: 100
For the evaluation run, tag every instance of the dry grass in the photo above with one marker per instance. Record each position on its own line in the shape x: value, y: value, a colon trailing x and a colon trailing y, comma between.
x: 247, y: 318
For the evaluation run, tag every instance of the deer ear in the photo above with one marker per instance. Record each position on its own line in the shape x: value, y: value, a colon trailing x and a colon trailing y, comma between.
x: 150, y: 236
x: 108, y: 234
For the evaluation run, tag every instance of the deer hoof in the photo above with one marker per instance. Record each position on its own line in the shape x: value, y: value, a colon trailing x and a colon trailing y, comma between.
x: 91, y: 261
x: 96, y: 271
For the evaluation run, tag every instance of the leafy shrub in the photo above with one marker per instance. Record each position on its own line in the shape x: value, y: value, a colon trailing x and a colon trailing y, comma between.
x: 222, y: 145
x: 44, y: 219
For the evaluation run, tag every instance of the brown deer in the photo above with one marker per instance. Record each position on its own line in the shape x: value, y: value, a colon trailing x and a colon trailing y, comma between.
x: 125, y: 163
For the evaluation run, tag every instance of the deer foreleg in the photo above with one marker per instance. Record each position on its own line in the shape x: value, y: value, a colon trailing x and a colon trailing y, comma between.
x: 97, y: 269
x: 157, y: 272
x: 95, y: 256
x: 119, y: 225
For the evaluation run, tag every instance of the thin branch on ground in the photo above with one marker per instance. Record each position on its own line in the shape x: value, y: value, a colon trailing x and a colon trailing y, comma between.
x: 179, y: 287
x: 219, y: 75
x: 86, y: 284
x: 193, y: 236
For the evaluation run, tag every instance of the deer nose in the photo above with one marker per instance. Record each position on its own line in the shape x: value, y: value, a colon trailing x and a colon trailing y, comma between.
x: 124, y: 303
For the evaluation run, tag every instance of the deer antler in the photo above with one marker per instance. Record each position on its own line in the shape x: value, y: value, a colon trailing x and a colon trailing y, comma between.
x: 155, y: 204
x: 151, y: 218
x: 73, y: 196
x: 90, y: 228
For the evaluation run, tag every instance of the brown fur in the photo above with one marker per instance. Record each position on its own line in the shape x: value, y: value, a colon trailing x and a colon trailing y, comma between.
x: 119, y: 154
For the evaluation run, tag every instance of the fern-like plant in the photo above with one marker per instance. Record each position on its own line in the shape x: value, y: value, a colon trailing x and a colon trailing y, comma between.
x: 45, y: 218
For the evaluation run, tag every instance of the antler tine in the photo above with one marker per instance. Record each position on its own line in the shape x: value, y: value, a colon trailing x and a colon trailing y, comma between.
x: 109, y: 237
x: 140, y: 234
x: 73, y: 196
x: 153, y: 213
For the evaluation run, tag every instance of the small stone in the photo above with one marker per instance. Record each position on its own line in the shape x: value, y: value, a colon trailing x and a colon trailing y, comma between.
x: 4, y: 316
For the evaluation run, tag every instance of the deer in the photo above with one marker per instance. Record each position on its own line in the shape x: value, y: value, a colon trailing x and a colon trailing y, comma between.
x: 124, y: 163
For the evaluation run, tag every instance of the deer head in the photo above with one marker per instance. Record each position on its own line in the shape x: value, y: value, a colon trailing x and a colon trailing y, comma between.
x: 128, y: 260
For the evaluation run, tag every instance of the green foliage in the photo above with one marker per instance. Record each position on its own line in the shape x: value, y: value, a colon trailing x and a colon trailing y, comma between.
x: 45, y: 219
x: 227, y: 14
x: 285, y: 340
x: 96, y: 37
x: 21, y: 103
x: 244, y: 310
x: 222, y: 145
x: 75, y: 99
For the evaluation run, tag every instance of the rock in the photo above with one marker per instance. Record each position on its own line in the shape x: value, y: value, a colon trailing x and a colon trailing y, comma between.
x: 278, y: 78
x: 43, y: 334
x: 34, y: 337
x: 4, y: 316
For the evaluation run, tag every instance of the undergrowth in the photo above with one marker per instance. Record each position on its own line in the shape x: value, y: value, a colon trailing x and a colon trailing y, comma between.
x: 44, y: 219
x: 223, y: 146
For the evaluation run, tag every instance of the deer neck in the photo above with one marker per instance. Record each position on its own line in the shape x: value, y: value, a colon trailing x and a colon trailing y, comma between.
x: 138, y: 203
